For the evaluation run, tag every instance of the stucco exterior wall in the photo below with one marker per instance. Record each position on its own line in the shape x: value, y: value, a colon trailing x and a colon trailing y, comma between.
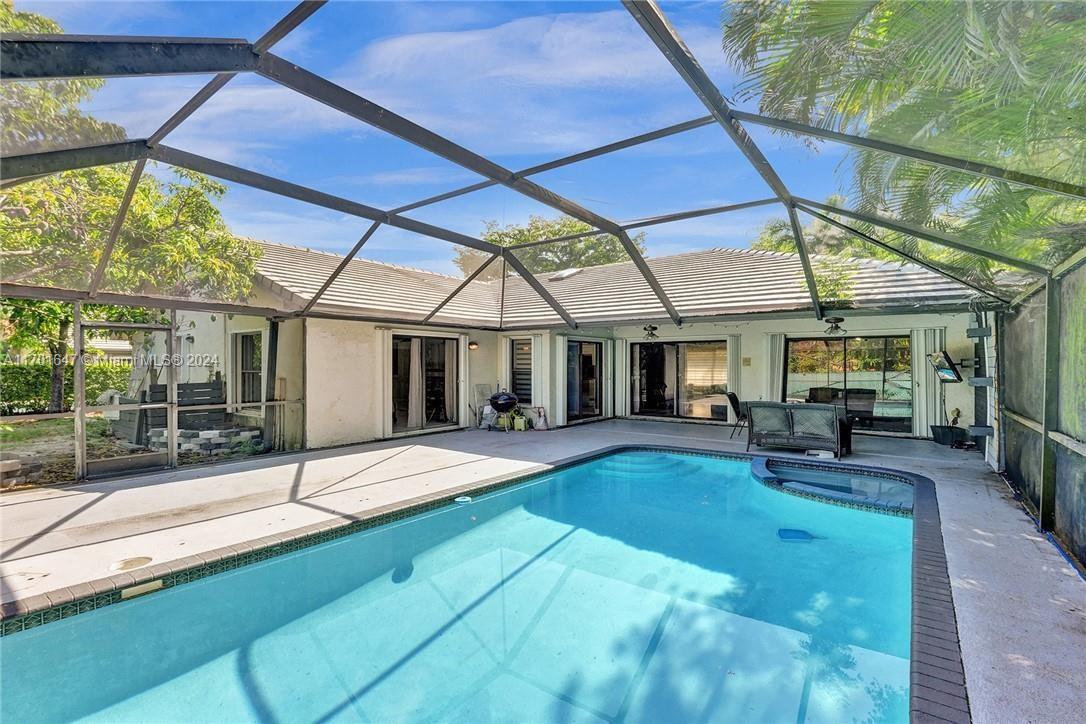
x: 347, y: 378
x: 752, y: 372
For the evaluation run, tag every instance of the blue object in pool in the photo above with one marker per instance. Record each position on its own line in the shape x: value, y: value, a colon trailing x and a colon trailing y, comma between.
x: 402, y: 572
x: 635, y: 587
x: 795, y: 535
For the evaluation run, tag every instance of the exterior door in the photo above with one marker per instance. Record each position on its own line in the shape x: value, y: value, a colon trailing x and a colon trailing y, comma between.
x: 425, y: 389
x: 584, y: 388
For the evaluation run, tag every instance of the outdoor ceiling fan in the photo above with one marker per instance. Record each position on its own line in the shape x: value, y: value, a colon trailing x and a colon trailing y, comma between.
x: 835, y: 329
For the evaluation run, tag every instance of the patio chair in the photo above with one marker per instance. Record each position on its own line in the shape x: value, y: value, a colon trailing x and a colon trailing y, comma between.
x: 860, y: 403
x: 823, y: 395
x: 738, y: 410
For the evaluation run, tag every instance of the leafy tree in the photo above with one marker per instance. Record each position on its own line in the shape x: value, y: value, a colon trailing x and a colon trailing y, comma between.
x: 53, y: 229
x: 590, y: 251
x: 42, y: 115
x: 989, y: 81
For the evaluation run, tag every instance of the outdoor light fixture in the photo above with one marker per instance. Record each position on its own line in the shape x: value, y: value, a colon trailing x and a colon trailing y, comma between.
x: 473, y: 345
x: 650, y: 331
x: 835, y: 327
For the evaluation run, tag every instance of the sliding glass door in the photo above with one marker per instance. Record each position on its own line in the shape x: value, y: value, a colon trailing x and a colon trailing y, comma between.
x: 424, y: 382
x: 871, y: 376
x: 584, y: 387
x: 679, y: 379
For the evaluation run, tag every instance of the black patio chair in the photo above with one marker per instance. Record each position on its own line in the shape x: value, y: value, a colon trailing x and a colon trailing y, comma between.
x: 739, y: 410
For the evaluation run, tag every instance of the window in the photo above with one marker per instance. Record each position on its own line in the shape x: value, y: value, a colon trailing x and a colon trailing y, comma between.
x: 520, y: 372
x: 248, y: 365
x: 871, y: 376
x: 679, y: 379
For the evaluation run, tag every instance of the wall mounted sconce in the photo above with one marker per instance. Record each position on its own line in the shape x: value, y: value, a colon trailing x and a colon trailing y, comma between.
x: 473, y: 345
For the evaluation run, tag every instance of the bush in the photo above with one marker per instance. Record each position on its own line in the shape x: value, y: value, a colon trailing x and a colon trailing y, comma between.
x: 24, y: 388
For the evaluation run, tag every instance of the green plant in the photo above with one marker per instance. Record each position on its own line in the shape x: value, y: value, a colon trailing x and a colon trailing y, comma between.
x: 26, y: 388
x: 591, y: 251
x: 987, y: 80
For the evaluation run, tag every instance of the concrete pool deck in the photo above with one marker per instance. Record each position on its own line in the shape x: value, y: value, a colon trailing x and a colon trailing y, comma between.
x: 1021, y: 609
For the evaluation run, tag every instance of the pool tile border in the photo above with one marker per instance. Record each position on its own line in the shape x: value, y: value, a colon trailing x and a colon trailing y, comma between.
x: 937, y: 681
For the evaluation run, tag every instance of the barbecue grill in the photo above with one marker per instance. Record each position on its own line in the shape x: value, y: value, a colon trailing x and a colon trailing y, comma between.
x: 503, y: 401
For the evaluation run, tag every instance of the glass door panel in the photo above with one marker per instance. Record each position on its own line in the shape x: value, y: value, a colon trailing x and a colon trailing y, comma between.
x: 583, y: 380
x: 880, y: 382
x: 870, y: 376
x: 441, y: 382
x: 653, y: 367
x: 703, y: 380
x: 815, y: 370
x: 425, y: 382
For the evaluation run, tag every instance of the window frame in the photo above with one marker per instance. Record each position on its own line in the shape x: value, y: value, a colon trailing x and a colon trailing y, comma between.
x: 634, y: 346
x: 844, y: 339
x: 530, y: 371
x: 241, y: 372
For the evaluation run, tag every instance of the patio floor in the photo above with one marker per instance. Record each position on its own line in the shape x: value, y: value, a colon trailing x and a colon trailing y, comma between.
x: 1021, y: 607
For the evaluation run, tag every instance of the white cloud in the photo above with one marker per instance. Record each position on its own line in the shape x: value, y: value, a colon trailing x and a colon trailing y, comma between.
x: 553, y: 83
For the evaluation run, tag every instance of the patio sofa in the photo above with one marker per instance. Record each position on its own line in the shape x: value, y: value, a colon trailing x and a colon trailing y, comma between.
x: 806, y: 426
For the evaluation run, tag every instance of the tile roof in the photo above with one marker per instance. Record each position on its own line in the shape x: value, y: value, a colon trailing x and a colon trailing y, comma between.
x: 709, y: 283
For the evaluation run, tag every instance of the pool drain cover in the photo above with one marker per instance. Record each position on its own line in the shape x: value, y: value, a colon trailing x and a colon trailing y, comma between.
x: 128, y: 564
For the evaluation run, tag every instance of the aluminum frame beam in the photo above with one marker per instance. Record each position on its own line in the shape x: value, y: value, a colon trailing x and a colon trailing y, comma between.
x: 1046, y: 508
x: 115, y: 230
x: 655, y: 24
x: 935, y: 237
x: 695, y: 213
x: 29, y: 291
x: 535, y: 284
x: 342, y: 265
x: 47, y: 57
x: 461, y: 287
x: 568, y: 160
x: 652, y: 221
x: 335, y: 96
x: 225, y: 171
x: 43, y: 163
x: 277, y: 32
x: 958, y: 164
x: 805, y: 261
x: 904, y: 255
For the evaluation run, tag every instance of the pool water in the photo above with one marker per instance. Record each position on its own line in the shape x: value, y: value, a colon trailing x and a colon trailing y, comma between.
x: 642, y: 586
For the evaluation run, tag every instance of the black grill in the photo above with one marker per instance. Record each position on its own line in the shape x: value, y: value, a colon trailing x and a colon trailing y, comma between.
x: 503, y: 401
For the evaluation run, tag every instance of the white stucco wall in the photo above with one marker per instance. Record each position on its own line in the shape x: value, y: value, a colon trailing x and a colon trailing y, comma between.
x: 348, y: 378
x: 347, y: 374
x: 754, y: 378
x: 748, y: 342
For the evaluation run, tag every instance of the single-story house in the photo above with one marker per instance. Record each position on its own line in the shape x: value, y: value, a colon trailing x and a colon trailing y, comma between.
x: 369, y: 364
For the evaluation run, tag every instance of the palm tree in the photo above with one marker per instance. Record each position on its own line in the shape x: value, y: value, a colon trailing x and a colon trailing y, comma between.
x: 994, y: 81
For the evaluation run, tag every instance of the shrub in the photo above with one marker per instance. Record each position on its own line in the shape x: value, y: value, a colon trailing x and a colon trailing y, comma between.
x: 24, y: 388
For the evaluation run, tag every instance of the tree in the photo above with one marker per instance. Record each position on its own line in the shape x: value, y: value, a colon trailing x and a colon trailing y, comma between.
x: 988, y: 81
x: 590, y: 251
x: 42, y: 115
x: 53, y: 230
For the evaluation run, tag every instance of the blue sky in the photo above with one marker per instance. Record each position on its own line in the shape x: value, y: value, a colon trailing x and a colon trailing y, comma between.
x: 520, y: 82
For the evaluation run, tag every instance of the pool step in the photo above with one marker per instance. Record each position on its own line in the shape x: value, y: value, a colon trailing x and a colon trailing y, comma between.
x: 664, y: 467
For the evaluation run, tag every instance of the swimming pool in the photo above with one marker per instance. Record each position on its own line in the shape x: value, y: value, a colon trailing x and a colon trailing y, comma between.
x: 640, y: 586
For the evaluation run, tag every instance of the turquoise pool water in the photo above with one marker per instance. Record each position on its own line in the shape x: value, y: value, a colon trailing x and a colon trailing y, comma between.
x: 638, y: 587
